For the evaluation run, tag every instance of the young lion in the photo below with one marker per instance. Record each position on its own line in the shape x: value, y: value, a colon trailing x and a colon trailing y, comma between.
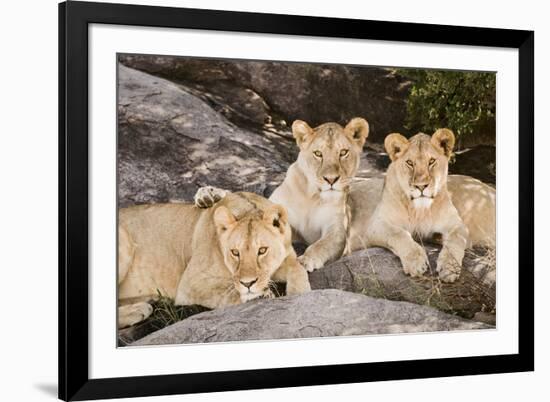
x: 417, y: 199
x: 214, y: 257
x: 315, y: 188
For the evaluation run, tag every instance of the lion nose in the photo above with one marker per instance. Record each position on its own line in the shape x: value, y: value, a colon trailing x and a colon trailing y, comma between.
x: 331, y: 179
x: 249, y: 283
x: 421, y: 187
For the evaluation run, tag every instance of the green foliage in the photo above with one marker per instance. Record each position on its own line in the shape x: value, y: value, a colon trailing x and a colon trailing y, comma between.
x: 461, y: 101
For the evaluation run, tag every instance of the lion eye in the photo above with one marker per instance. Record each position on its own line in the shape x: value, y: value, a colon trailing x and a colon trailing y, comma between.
x: 432, y: 161
x: 410, y: 163
x: 344, y: 152
x: 318, y: 154
x: 235, y: 252
x: 262, y: 250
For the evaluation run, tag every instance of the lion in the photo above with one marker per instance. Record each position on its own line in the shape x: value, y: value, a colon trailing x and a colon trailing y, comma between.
x: 225, y: 255
x: 315, y: 188
x: 418, y: 199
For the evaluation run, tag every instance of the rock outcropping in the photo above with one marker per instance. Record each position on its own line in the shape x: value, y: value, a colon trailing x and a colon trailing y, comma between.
x: 314, y: 314
x: 378, y: 272
x: 170, y: 143
x: 259, y: 92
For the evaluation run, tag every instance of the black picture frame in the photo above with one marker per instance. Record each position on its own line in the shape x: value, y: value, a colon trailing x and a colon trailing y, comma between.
x: 74, y: 19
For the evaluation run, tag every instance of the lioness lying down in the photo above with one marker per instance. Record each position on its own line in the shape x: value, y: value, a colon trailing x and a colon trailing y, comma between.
x: 416, y: 199
x: 214, y: 257
x: 315, y: 187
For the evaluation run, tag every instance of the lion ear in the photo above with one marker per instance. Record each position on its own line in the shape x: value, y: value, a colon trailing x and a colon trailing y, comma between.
x: 395, y: 145
x: 276, y: 215
x: 358, y: 130
x: 223, y: 219
x: 301, y: 131
x: 444, y: 141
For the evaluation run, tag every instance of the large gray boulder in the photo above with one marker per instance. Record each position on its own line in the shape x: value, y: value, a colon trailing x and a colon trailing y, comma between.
x: 378, y: 272
x: 315, y: 314
x: 170, y: 143
x: 256, y: 92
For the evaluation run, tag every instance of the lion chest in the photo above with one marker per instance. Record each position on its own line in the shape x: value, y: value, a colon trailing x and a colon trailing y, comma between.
x: 424, y: 222
x: 312, y: 220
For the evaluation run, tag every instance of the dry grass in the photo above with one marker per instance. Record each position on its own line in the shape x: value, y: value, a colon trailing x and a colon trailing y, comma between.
x: 474, y: 291
x: 489, y: 258
x: 166, y: 313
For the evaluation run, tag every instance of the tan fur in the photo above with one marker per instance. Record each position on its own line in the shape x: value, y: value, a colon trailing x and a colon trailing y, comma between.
x: 213, y: 257
x: 316, y: 186
x: 418, y: 199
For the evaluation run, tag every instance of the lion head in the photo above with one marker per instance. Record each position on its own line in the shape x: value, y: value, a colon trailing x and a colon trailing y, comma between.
x: 330, y: 154
x: 253, y: 247
x: 420, y: 164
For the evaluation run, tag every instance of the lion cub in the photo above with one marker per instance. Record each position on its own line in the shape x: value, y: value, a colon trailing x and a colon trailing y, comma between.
x: 315, y: 188
x: 213, y: 257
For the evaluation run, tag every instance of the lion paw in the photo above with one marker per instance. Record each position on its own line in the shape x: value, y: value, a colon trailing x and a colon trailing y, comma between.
x: 448, y: 267
x: 133, y: 314
x: 415, y: 263
x: 310, y: 263
x: 207, y: 196
x: 268, y: 294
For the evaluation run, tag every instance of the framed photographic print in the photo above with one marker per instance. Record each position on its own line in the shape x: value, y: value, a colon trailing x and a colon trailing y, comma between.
x: 257, y: 200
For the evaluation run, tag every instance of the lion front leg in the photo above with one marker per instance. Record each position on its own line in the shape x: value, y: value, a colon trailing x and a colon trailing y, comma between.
x: 449, y: 262
x: 412, y: 255
x: 205, y: 286
x: 328, y: 248
x: 295, y: 276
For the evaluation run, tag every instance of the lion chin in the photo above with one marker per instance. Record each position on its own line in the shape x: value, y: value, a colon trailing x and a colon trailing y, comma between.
x: 422, y: 202
x: 254, y: 296
x: 331, y: 195
x: 250, y: 296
